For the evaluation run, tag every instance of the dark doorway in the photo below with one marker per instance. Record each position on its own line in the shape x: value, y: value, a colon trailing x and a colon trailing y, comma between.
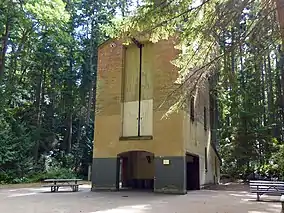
x: 136, y: 170
x: 192, y: 172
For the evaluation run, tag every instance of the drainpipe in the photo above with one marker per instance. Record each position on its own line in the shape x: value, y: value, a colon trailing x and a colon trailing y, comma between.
x: 139, y: 45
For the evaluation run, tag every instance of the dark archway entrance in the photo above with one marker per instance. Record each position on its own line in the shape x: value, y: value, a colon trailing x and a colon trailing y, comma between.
x: 192, y: 172
x: 136, y: 170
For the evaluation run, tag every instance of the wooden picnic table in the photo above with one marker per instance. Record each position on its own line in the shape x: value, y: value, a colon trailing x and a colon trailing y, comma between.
x: 54, y: 184
x: 261, y: 187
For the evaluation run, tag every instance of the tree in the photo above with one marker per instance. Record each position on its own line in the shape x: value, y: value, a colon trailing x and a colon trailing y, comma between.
x: 238, y: 42
x: 48, y: 62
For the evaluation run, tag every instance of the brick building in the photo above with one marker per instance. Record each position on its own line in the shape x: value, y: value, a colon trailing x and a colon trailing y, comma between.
x: 133, y: 146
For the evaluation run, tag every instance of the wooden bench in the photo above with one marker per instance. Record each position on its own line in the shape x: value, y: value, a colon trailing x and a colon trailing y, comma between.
x: 55, y: 184
x: 261, y: 187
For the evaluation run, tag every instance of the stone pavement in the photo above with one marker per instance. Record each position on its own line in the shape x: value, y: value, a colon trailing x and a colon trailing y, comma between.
x: 40, y: 200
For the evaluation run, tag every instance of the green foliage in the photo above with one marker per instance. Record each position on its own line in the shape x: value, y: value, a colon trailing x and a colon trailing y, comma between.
x: 55, y: 172
x: 15, y: 148
x: 236, y: 42
x: 278, y: 161
x: 48, y: 12
x: 48, y: 57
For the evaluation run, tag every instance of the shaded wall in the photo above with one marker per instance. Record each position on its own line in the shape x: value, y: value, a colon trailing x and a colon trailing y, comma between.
x: 197, y: 137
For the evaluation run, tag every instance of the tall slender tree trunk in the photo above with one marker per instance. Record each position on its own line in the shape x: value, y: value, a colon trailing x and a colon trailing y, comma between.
x: 4, y: 47
x: 280, y: 16
x: 38, y: 112
x: 69, y: 117
x: 92, y: 49
x: 69, y: 82
x: 52, y: 103
x: 270, y: 92
x: 263, y: 71
x: 69, y: 132
x: 278, y: 117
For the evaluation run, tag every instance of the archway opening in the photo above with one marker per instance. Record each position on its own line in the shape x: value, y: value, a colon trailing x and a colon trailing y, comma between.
x: 136, y: 170
x: 192, y: 172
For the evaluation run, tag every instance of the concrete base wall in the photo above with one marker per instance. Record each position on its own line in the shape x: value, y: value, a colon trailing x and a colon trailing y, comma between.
x: 169, y: 178
x: 104, y: 174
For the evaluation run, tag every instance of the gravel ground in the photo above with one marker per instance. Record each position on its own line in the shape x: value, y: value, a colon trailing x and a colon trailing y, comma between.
x: 230, y: 198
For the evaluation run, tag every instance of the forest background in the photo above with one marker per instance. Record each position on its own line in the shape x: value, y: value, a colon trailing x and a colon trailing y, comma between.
x: 48, y: 60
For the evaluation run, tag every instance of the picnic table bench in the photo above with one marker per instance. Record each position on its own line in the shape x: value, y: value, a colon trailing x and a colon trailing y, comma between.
x: 54, y: 184
x: 261, y: 187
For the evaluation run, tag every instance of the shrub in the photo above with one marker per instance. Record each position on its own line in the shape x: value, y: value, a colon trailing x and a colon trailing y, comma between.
x: 61, y: 173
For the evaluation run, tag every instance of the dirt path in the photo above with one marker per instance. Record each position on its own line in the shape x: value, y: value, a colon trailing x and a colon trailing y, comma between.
x: 230, y: 186
x: 230, y: 198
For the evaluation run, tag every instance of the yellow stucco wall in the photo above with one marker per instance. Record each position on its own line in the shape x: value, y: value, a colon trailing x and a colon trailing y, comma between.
x: 166, y: 142
x: 167, y: 133
x: 171, y: 137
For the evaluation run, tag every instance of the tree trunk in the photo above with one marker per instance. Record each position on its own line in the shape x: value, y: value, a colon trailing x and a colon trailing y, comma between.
x: 38, y: 112
x: 263, y: 71
x: 4, y: 48
x: 69, y: 119
x: 270, y: 91
x: 69, y: 132
x: 280, y: 16
x: 69, y: 82
x: 278, y: 116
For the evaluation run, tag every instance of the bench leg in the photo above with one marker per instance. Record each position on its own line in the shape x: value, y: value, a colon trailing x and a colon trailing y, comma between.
x: 282, y: 207
x: 75, y: 188
x: 257, y: 197
x: 54, y: 188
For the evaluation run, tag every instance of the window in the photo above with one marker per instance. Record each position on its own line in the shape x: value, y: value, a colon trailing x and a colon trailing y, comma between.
x: 205, y: 119
x: 137, y: 115
x: 192, y: 108
x: 206, y: 169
